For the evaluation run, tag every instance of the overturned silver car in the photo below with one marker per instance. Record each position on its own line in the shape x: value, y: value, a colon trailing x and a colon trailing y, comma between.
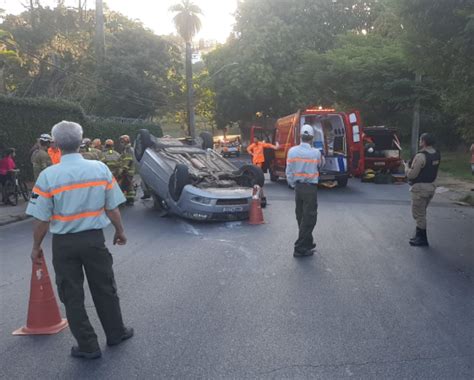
x: 189, y: 179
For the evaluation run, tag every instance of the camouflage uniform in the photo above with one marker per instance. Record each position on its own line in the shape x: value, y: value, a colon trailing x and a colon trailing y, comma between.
x: 40, y: 160
x: 127, y: 173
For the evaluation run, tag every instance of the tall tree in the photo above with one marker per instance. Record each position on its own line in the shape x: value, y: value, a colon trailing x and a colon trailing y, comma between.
x: 188, y: 24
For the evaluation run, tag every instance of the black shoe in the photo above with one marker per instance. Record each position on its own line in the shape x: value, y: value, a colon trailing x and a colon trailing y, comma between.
x: 77, y: 353
x: 420, y: 239
x: 415, y: 235
x: 127, y: 334
x: 309, y: 252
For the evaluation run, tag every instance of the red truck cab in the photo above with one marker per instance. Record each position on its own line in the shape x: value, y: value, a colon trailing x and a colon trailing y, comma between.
x: 337, y: 134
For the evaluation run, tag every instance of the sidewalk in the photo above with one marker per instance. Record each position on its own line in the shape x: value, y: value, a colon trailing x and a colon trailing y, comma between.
x: 11, y: 214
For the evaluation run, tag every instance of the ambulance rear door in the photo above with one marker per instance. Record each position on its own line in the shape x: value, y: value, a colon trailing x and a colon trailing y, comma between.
x: 355, y: 145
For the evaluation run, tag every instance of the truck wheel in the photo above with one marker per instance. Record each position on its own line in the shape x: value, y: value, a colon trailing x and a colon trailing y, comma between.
x: 142, y: 142
x: 342, y: 181
x: 250, y: 175
x: 207, y: 140
x: 178, y: 180
x: 273, y: 177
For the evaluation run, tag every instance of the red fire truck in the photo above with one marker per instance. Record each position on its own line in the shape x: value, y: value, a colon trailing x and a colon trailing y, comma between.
x: 337, y: 134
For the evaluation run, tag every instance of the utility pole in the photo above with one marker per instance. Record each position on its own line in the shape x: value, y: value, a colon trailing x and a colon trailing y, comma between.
x: 415, y: 128
x: 99, y: 32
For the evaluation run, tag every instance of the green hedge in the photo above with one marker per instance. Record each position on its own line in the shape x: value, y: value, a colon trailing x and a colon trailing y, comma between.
x: 23, y: 120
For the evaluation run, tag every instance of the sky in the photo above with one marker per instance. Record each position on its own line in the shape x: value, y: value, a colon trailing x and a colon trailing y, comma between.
x: 217, y: 19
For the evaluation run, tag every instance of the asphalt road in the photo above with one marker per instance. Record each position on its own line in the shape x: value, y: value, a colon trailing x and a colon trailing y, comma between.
x: 229, y: 300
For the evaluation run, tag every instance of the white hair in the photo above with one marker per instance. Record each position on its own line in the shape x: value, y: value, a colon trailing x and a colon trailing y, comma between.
x: 67, y: 135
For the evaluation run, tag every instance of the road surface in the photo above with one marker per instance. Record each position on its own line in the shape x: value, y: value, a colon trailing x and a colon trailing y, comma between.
x: 229, y: 300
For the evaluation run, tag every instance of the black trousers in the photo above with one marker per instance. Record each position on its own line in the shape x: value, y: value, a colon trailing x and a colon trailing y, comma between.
x: 72, y: 255
x: 306, y: 197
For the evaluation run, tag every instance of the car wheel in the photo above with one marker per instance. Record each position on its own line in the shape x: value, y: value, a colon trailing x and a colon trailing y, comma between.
x: 178, y: 180
x: 207, y: 140
x: 250, y: 175
x: 142, y: 142
x: 342, y: 181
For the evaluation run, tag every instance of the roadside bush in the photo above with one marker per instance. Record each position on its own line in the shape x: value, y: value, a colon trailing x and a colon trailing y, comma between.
x: 23, y: 120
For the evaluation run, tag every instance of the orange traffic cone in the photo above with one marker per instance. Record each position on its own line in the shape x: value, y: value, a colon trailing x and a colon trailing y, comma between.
x: 256, y: 213
x: 43, y: 310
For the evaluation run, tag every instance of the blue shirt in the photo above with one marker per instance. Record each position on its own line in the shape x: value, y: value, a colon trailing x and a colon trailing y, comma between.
x: 302, y: 164
x: 74, y: 194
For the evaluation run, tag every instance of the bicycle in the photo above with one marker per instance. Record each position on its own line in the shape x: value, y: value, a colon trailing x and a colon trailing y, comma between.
x: 13, y: 188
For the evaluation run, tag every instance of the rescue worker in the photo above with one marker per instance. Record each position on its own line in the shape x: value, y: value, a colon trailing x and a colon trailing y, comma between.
x: 421, y: 173
x: 96, y: 148
x: 256, y: 150
x: 112, y: 158
x: 127, y: 169
x: 54, y: 153
x: 76, y: 200
x: 302, y: 173
x: 86, y: 151
x: 97, y: 144
x: 40, y: 157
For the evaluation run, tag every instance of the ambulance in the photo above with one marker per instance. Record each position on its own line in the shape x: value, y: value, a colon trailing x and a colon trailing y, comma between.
x: 339, y: 136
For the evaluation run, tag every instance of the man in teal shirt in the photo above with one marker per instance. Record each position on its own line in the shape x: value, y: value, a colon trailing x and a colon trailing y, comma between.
x: 76, y: 199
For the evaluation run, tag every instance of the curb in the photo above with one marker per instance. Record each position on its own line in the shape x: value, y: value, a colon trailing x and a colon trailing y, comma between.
x: 10, y: 219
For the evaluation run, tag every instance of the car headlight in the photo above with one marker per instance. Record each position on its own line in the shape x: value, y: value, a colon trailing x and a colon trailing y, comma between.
x: 202, y: 200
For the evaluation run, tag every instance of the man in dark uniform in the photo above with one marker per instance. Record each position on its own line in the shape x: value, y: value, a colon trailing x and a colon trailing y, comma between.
x: 302, y: 173
x: 421, y: 173
x: 76, y: 199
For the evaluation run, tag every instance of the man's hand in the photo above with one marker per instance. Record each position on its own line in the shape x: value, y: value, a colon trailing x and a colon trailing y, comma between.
x: 37, y: 255
x: 120, y: 238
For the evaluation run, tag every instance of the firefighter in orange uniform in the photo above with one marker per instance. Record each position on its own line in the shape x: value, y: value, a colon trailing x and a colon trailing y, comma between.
x: 54, y: 153
x: 256, y: 150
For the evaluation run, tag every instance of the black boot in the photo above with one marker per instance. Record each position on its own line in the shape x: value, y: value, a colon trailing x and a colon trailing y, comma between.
x: 415, y: 235
x: 420, y: 239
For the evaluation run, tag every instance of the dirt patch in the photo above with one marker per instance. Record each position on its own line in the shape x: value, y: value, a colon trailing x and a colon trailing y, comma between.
x: 455, y: 189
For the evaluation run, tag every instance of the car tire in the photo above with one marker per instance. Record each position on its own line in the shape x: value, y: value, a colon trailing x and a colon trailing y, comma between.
x: 178, y: 180
x: 142, y: 142
x: 273, y: 177
x: 207, y: 140
x: 342, y: 181
x: 250, y: 175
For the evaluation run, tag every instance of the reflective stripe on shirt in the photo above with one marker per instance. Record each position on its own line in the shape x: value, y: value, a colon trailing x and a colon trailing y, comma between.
x: 302, y: 164
x: 74, y: 195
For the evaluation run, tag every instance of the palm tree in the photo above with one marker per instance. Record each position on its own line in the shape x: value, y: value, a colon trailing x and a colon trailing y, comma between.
x: 188, y: 24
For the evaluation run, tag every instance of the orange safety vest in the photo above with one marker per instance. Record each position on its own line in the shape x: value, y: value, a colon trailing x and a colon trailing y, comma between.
x: 55, y: 155
x: 256, y: 150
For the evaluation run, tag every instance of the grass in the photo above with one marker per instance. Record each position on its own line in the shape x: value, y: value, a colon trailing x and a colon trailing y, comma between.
x: 457, y: 164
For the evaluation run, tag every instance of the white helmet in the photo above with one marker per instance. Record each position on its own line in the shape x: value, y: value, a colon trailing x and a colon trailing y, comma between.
x: 46, y: 137
x: 307, y: 130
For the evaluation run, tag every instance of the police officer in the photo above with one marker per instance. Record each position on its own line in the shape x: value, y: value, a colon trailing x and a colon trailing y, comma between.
x: 86, y: 151
x: 421, y: 173
x: 302, y: 173
x: 76, y: 199
x: 127, y: 169
x: 40, y: 157
x: 112, y: 158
